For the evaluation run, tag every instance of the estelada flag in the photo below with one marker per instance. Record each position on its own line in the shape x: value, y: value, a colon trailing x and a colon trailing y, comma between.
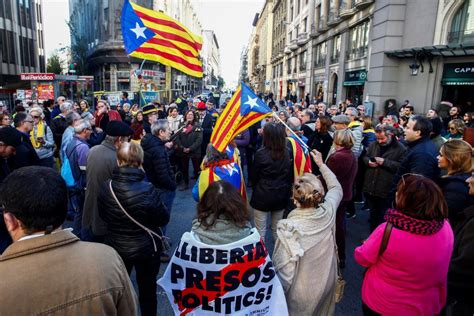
x: 301, y: 158
x: 153, y: 35
x: 243, y: 110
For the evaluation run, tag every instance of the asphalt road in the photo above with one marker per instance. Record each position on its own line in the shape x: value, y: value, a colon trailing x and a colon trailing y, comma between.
x: 357, y: 230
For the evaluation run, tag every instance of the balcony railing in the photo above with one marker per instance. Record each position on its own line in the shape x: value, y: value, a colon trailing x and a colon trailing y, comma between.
x: 320, y: 62
x: 357, y: 53
x: 334, y: 59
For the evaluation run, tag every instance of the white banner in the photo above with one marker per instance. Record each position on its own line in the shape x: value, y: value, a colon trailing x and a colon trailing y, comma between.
x: 236, y: 278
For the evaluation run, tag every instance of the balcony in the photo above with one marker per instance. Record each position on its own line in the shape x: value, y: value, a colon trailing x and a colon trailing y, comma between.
x: 361, y: 4
x: 346, y: 13
x: 303, y: 38
x: 293, y: 44
x: 287, y: 50
x: 322, y: 26
x: 314, y: 31
x: 334, y: 21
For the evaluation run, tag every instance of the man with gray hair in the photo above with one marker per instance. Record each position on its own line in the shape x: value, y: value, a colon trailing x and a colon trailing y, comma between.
x: 295, y: 146
x: 76, y: 153
x: 157, y: 165
x: 59, y: 124
x: 357, y: 130
x: 321, y: 109
x: 71, y: 119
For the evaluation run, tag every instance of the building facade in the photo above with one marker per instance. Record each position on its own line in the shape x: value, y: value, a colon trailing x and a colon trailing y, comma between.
x: 210, y: 60
x: 371, y: 51
x: 21, y: 43
x: 99, y: 24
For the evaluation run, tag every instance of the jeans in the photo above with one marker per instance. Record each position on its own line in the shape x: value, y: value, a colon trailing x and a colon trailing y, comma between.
x: 167, y: 197
x: 146, y: 270
x: 76, y: 198
x: 260, y: 219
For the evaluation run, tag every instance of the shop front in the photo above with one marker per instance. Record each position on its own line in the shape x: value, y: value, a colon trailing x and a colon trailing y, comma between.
x: 354, y: 82
x: 458, y: 85
x: 320, y: 87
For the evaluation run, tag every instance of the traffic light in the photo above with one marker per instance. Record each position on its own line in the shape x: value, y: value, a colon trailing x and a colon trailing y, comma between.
x: 72, y: 68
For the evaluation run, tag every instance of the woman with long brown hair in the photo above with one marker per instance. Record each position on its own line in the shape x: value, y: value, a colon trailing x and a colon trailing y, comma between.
x: 322, y: 139
x: 272, y: 179
x: 408, y: 256
x: 455, y: 156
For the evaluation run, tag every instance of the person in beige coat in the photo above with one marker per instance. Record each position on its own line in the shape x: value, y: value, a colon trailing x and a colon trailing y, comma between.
x: 47, y: 270
x: 305, y: 256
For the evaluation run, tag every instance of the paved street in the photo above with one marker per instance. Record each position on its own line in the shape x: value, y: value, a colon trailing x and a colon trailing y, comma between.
x: 184, y: 211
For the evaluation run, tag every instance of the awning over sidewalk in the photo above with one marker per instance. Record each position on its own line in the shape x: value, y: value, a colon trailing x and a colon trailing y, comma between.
x: 453, y: 50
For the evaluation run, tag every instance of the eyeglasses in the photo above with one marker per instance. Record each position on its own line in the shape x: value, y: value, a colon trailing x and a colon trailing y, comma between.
x: 36, y: 117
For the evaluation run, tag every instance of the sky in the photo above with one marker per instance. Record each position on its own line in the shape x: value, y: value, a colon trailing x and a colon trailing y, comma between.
x: 231, y: 20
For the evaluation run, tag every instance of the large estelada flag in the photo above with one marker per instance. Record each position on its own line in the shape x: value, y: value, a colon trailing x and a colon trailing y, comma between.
x: 153, y: 35
x: 243, y: 110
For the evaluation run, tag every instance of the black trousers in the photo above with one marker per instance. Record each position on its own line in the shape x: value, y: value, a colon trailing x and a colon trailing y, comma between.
x: 185, y: 167
x: 146, y: 271
x: 378, y: 206
x: 341, y: 230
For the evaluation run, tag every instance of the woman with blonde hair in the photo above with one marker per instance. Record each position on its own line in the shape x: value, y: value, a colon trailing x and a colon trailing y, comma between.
x: 41, y: 138
x: 344, y: 165
x: 306, y: 244
x: 455, y: 156
x: 455, y: 129
x: 130, y: 206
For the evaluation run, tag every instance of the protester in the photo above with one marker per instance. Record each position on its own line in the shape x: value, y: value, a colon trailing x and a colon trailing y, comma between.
x: 437, y: 130
x: 59, y: 124
x: 150, y: 116
x: 461, y: 274
x: 83, y: 107
x: 308, y: 126
x: 357, y: 130
x: 343, y: 164
x: 157, y: 166
x: 454, y: 114
x: 101, y: 162
x: 42, y: 139
x: 175, y: 120
x: 383, y: 159
x: 394, y: 283
x: 207, y: 122
x: 97, y: 135
x: 61, y: 274
x: 25, y: 153
x: 455, y: 156
x: 5, y: 120
x: 137, y: 126
x: 188, y: 146
x: 71, y: 120
x: 468, y: 119
x: 306, y: 246
x: 103, y: 115
x: 455, y: 129
x: 128, y: 204
x: 126, y: 114
x: 322, y: 140
x: 421, y: 155
x: 77, y: 152
x: 273, y: 177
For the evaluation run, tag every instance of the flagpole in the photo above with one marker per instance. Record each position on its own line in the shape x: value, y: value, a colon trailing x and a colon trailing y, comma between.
x: 140, y: 86
x: 294, y: 134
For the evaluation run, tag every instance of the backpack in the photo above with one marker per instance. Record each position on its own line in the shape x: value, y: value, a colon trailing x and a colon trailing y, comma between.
x: 66, y: 170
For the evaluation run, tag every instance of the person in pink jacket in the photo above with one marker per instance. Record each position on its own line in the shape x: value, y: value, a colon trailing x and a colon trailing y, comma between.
x: 407, y: 274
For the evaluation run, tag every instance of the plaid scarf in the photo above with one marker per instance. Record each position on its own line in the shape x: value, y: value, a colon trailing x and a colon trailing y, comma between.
x: 413, y: 225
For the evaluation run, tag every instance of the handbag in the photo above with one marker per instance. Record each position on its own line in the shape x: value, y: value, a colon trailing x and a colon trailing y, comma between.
x: 340, y: 282
x: 165, y: 244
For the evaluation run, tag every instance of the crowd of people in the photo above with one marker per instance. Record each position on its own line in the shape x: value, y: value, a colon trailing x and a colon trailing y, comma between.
x: 111, y: 175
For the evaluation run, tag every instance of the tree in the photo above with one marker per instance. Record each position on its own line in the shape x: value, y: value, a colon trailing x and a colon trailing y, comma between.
x: 78, y: 50
x: 54, y: 64
x: 220, y: 82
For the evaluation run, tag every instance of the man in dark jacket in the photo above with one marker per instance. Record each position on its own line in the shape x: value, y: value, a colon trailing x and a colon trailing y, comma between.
x: 461, y: 273
x: 421, y: 155
x: 157, y: 165
x: 25, y: 153
x: 383, y: 159
x: 59, y: 125
x: 207, y: 124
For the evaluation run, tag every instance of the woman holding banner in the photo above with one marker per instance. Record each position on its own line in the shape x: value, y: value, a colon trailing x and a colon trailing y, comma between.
x: 305, y: 251
x: 272, y: 179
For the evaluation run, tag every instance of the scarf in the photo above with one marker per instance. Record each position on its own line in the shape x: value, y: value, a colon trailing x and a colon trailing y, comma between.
x: 413, y: 225
x: 37, y: 132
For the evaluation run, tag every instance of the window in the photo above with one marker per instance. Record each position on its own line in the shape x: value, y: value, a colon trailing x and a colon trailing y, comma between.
x: 295, y: 62
x: 8, y: 9
x: 10, y: 43
x: 288, y: 71
x: 462, y: 27
x: 291, y: 12
x: 331, y: 11
x: 358, y: 41
x: 303, y: 61
x: 336, y: 49
x: 305, y: 25
x: 298, y: 6
x: 32, y: 53
x: 320, y: 52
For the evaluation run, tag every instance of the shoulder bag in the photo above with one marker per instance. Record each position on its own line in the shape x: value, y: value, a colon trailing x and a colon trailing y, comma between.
x: 163, y: 239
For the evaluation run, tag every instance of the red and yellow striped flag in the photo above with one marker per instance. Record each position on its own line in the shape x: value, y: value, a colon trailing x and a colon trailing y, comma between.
x: 153, y: 35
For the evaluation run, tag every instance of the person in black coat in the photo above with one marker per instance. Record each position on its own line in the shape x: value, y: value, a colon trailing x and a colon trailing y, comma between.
x: 128, y: 193
x: 25, y: 153
x: 322, y: 140
x: 272, y: 179
x: 461, y: 273
x: 207, y: 124
x: 455, y: 156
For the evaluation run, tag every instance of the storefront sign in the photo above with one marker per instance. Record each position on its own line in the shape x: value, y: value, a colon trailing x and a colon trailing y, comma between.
x: 459, y: 74
x: 149, y: 96
x: 37, y: 76
x: 45, y: 92
x: 355, y: 78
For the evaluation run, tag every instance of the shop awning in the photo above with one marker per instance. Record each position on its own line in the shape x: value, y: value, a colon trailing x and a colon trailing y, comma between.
x: 458, y: 74
x: 452, y: 50
x: 355, y: 78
